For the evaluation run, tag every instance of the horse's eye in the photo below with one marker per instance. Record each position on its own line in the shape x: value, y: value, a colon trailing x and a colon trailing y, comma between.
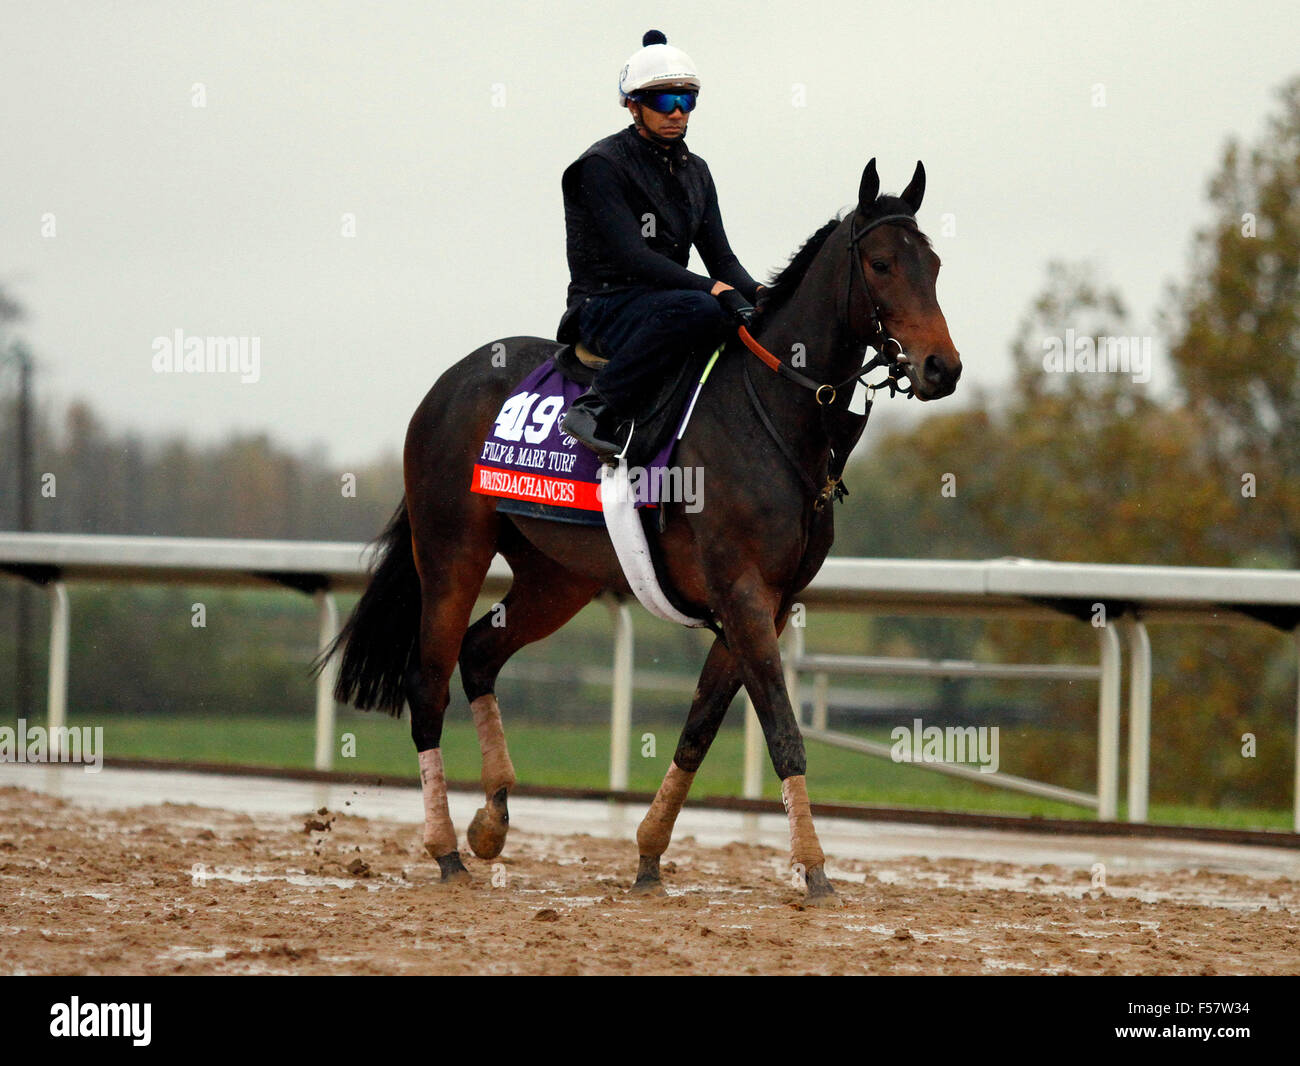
x: 880, y: 266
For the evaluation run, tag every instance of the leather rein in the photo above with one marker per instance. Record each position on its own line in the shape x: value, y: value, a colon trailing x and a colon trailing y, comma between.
x: 826, y: 392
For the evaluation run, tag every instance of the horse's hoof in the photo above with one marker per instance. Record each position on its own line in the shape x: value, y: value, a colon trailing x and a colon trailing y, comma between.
x: 487, y: 833
x: 647, y: 887
x: 820, y: 891
x: 823, y: 899
x: 648, y: 882
x: 453, y: 870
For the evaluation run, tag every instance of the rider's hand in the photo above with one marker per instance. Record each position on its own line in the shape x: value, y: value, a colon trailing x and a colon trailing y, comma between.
x: 736, y: 305
x: 718, y: 286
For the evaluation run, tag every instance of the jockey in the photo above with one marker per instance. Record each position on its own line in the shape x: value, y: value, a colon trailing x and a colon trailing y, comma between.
x: 634, y: 203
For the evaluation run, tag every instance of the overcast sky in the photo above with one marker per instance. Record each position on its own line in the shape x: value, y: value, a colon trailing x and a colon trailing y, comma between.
x: 226, y: 219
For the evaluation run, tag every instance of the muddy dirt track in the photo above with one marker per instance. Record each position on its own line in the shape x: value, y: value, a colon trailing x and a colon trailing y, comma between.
x: 181, y: 889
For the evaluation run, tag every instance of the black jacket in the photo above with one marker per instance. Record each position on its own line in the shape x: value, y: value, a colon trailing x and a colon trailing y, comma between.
x: 632, y: 210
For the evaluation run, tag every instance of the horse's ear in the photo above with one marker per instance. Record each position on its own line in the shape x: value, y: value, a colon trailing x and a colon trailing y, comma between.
x: 915, y: 191
x: 870, y: 187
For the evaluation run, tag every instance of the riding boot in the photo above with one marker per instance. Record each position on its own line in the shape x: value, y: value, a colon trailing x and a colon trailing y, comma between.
x: 592, y: 421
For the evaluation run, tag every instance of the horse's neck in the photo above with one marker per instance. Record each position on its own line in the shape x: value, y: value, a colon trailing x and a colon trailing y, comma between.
x: 808, y: 324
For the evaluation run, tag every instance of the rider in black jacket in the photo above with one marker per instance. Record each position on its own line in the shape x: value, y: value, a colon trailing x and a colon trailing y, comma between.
x: 634, y: 203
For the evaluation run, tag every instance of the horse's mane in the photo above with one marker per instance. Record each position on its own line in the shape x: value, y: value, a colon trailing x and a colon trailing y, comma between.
x: 785, y: 281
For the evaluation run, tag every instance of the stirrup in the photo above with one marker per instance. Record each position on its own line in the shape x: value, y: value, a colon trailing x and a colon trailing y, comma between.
x: 621, y: 456
x: 604, y: 450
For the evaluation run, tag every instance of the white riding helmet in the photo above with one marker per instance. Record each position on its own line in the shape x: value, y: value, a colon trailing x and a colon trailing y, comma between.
x: 657, y: 65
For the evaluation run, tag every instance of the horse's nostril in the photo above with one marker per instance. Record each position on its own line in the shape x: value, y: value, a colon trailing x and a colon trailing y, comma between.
x: 936, y: 372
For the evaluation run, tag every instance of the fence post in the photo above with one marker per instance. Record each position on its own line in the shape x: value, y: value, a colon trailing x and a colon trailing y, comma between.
x: 1108, y: 726
x: 620, y: 700
x: 821, y: 700
x: 327, y: 613
x: 57, y: 701
x: 1139, y: 724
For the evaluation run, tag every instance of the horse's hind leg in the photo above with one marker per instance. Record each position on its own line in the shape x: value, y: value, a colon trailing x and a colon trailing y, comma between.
x: 451, y: 568
x: 719, y: 682
x: 542, y: 597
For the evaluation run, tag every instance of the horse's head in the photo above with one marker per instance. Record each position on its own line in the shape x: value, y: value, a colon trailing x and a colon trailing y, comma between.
x: 898, y: 269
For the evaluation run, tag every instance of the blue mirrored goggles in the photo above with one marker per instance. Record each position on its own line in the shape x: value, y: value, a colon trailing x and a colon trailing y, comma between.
x: 667, y: 103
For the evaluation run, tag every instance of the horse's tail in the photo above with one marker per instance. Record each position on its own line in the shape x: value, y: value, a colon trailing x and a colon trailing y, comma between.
x: 379, y: 639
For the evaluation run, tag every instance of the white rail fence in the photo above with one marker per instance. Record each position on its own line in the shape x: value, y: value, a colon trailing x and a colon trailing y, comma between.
x: 1110, y: 598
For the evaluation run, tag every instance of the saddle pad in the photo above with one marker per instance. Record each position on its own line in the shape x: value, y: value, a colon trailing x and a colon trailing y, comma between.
x: 540, y: 471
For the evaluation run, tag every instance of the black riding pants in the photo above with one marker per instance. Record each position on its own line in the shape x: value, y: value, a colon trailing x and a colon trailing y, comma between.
x: 645, y: 334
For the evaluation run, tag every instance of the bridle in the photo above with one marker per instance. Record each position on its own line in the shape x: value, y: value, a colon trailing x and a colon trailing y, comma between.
x: 878, y: 337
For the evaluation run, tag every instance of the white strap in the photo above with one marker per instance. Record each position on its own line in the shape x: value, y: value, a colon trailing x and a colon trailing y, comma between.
x: 628, y: 537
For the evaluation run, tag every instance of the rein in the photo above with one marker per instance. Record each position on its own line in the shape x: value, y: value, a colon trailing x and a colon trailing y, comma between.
x: 825, y: 393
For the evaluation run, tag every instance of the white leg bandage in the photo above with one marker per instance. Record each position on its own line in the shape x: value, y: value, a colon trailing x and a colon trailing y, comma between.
x: 805, y: 848
x: 439, y: 833
x: 656, y: 829
x: 498, y: 770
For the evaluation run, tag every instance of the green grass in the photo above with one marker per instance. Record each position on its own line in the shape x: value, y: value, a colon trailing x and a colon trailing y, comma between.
x: 578, y: 756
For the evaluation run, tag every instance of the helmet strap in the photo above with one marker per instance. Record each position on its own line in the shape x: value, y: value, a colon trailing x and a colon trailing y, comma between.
x: 637, y: 120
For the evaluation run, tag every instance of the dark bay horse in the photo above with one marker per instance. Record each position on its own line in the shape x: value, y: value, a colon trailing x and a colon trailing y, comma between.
x: 772, y: 446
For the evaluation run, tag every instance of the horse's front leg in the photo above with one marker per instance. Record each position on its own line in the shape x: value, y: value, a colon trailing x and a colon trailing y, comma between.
x: 750, y: 625
x: 719, y: 682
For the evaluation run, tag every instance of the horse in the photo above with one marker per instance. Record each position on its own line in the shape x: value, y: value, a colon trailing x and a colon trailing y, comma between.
x: 773, y: 444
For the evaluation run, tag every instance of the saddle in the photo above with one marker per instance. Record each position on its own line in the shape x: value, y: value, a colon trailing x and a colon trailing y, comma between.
x: 659, y: 414
x: 651, y: 433
x: 587, y: 357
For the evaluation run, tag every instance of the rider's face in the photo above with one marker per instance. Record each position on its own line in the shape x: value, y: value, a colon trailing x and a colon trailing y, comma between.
x: 669, y: 127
